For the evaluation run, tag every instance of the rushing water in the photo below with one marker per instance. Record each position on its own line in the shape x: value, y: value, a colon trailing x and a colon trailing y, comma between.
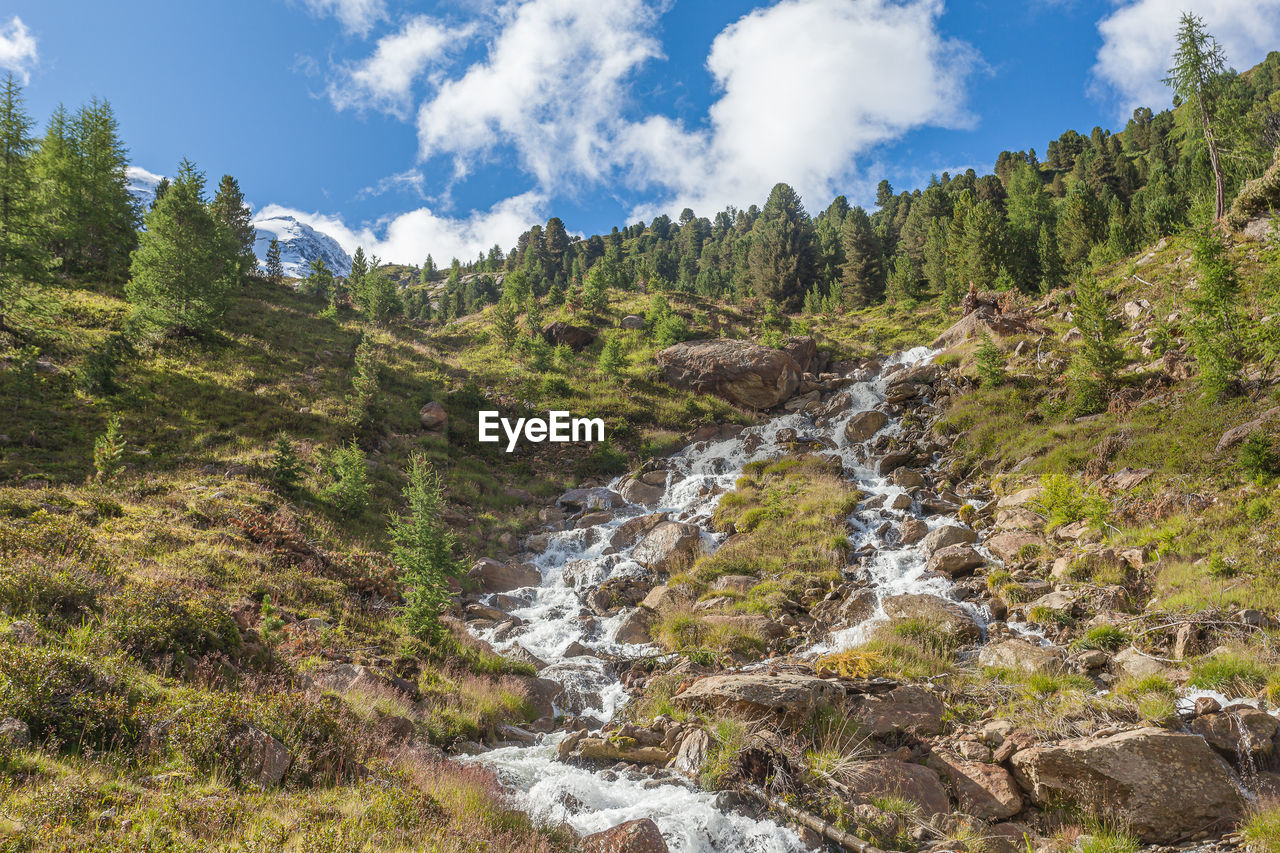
x: 575, y: 561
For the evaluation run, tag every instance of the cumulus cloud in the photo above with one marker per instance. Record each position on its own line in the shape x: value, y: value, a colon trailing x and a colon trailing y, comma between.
x: 552, y: 87
x: 410, y: 237
x: 356, y: 16
x: 384, y: 81
x: 1138, y: 40
x: 17, y: 48
x: 807, y: 86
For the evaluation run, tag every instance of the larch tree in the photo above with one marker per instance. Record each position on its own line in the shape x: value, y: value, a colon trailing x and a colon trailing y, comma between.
x: 275, y: 269
x: 23, y: 260
x: 1198, y: 64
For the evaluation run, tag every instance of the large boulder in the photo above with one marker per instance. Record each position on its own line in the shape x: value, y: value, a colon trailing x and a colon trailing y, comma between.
x: 631, y: 530
x: 986, y: 319
x: 668, y: 545
x: 433, y: 417
x: 637, y: 491
x: 789, y: 695
x: 260, y: 759
x: 743, y: 373
x: 903, y: 709
x: 945, y: 614
x: 1021, y: 656
x: 863, y: 425
x: 504, y: 577
x: 985, y: 791
x: 955, y: 560
x: 802, y: 350
x: 575, y: 337
x: 1015, y: 546
x: 634, y: 836
x: 890, y: 777
x: 945, y: 536
x: 1163, y: 785
x: 634, y: 627
x: 854, y: 608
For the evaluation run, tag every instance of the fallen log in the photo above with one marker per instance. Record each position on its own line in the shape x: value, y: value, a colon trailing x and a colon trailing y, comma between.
x: 824, y: 828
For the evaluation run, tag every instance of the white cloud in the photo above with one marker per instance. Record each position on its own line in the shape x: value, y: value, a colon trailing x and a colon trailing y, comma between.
x: 410, y: 237
x: 1138, y: 43
x: 17, y: 48
x: 356, y: 16
x: 807, y: 87
x: 553, y: 87
x: 385, y: 80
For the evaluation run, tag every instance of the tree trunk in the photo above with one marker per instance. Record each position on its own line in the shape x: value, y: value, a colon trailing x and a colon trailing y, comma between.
x: 1219, y: 190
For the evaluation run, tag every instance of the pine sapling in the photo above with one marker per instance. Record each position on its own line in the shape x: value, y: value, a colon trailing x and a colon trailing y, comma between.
x: 991, y: 361
x: 286, y: 469
x: 108, y: 452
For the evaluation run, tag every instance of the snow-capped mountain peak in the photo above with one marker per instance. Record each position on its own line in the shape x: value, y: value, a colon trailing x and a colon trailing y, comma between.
x: 300, y: 244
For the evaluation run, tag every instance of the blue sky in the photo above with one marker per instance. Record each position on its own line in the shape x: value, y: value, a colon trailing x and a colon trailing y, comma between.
x: 446, y: 127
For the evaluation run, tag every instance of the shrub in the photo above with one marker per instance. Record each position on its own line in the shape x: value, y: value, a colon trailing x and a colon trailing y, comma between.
x: 1259, y: 458
x: 1064, y: 502
x: 148, y: 619
x: 1108, y: 638
x: 72, y: 698
x: 49, y: 586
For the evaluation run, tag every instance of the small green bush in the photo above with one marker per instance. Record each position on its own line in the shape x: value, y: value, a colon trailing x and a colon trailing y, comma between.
x: 348, y: 494
x: 148, y: 619
x: 68, y: 697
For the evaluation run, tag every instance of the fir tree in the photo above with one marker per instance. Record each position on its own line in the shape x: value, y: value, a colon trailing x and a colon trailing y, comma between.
x: 231, y: 212
x: 286, y: 469
x: 783, y: 257
x: 423, y: 551
x: 990, y: 360
x: 348, y: 494
x: 863, y: 270
x: 504, y: 323
x: 275, y: 269
x: 1216, y: 332
x: 319, y: 280
x: 611, y: 356
x: 108, y: 452
x: 183, y: 271
x: 533, y: 317
x: 1095, y: 361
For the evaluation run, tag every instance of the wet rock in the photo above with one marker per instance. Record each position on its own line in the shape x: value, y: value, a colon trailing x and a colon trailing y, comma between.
x: 520, y: 654
x: 669, y: 545
x: 864, y: 425
x: 1238, y: 731
x: 620, y: 749
x: 912, y: 531
x: 576, y: 500
x: 851, y: 608
x: 575, y: 337
x: 1163, y: 785
x: 890, y: 777
x: 631, y: 531
x: 945, y: 536
x: 433, y: 417
x: 907, y: 478
x: 636, y: 491
x: 1021, y: 656
x: 891, y: 462
x: 903, y: 709
x: 504, y: 577
x: 790, y: 696
x: 692, y: 754
x: 635, y: 626
x: 986, y: 791
x: 929, y: 608
x: 260, y: 759
x: 743, y: 373
x: 955, y: 560
x: 634, y: 836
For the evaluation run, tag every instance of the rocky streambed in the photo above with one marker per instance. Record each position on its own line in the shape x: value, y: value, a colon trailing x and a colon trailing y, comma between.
x: 580, y: 604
